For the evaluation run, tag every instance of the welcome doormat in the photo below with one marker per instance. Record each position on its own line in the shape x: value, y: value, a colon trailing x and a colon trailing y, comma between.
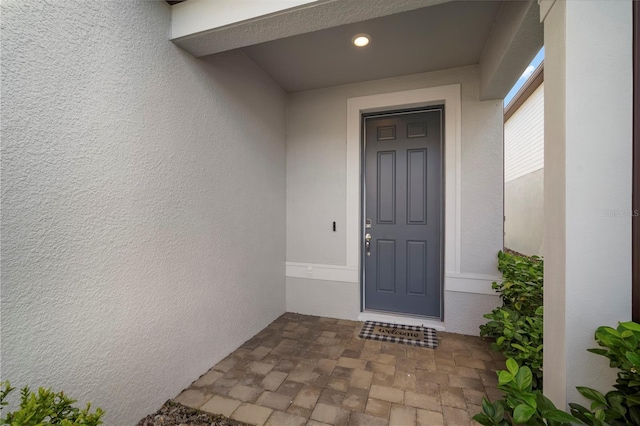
x: 398, y: 333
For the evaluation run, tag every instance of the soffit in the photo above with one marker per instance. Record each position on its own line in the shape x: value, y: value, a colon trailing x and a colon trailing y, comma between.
x: 443, y: 36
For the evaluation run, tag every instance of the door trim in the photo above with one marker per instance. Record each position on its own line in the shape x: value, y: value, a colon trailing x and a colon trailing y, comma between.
x: 449, y: 96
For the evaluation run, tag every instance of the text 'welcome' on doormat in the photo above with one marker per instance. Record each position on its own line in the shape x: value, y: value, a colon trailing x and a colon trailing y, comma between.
x: 398, y: 333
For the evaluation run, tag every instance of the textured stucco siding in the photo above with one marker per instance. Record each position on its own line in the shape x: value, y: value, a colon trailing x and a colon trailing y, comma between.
x: 335, y: 299
x: 588, y: 188
x: 463, y: 311
x: 524, y: 213
x: 143, y: 203
x: 316, y: 169
x: 317, y: 183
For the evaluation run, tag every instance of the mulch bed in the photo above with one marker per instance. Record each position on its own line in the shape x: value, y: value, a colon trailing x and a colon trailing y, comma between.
x: 515, y: 253
x: 175, y: 414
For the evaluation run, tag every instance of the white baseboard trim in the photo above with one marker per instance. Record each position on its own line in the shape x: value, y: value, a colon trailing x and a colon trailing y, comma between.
x: 317, y: 271
x: 401, y: 319
x: 458, y: 282
x: 470, y: 283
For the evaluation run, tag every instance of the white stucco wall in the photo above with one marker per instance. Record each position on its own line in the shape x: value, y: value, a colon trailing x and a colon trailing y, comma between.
x: 143, y: 204
x: 588, y: 177
x: 524, y: 213
x: 316, y: 181
x: 334, y: 299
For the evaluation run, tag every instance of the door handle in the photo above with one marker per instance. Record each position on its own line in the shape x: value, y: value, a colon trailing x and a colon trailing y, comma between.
x: 367, y: 244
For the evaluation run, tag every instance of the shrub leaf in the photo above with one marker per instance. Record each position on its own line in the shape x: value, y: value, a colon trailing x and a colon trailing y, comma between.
x: 592, y: 394
x: 522, y: 413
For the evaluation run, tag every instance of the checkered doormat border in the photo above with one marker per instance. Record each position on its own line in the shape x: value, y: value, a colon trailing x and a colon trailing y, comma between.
x: 430, y: 335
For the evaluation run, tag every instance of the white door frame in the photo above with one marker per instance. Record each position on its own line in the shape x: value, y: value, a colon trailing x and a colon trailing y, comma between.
x: 450, y: 97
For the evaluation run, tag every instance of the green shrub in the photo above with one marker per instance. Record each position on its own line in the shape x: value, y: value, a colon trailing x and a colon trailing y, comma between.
x: 522, y: 403
x: 517, y: 326
x: 47, y: 408
x: 521, y: 286
x: 622, y: 405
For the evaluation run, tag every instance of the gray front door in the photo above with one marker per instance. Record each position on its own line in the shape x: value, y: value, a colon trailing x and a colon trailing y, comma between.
x: 403, y: 212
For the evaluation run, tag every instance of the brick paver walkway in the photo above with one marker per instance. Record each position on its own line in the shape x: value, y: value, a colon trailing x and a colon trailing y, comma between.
x: 306, y: 370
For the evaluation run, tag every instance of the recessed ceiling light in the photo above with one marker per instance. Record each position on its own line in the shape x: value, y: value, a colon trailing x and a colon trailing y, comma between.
x: 361, y: 40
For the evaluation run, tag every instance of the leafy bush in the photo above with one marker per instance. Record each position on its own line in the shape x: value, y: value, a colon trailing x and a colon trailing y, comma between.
x: 523, y: 404
x: 47, y: 408
x: 517, y: 325
x: 521, y: 286
x: 622, y: 405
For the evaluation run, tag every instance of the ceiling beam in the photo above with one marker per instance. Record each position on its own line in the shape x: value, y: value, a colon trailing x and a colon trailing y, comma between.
x: 516, y: 37
x: 306, y: 18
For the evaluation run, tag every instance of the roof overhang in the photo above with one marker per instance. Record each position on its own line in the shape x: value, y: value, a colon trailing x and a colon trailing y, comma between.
x: 516, y: 38
x: 206, y: 27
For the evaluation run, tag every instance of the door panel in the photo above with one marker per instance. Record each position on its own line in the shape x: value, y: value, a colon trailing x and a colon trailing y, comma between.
x: 386, y: 187
x: 416, y: 187
x: 403, y: 201
x: 417, y: 268
x: 386, y: 266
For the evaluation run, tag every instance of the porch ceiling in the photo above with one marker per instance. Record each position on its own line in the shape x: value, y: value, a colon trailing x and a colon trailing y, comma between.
x: 443, y: 36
